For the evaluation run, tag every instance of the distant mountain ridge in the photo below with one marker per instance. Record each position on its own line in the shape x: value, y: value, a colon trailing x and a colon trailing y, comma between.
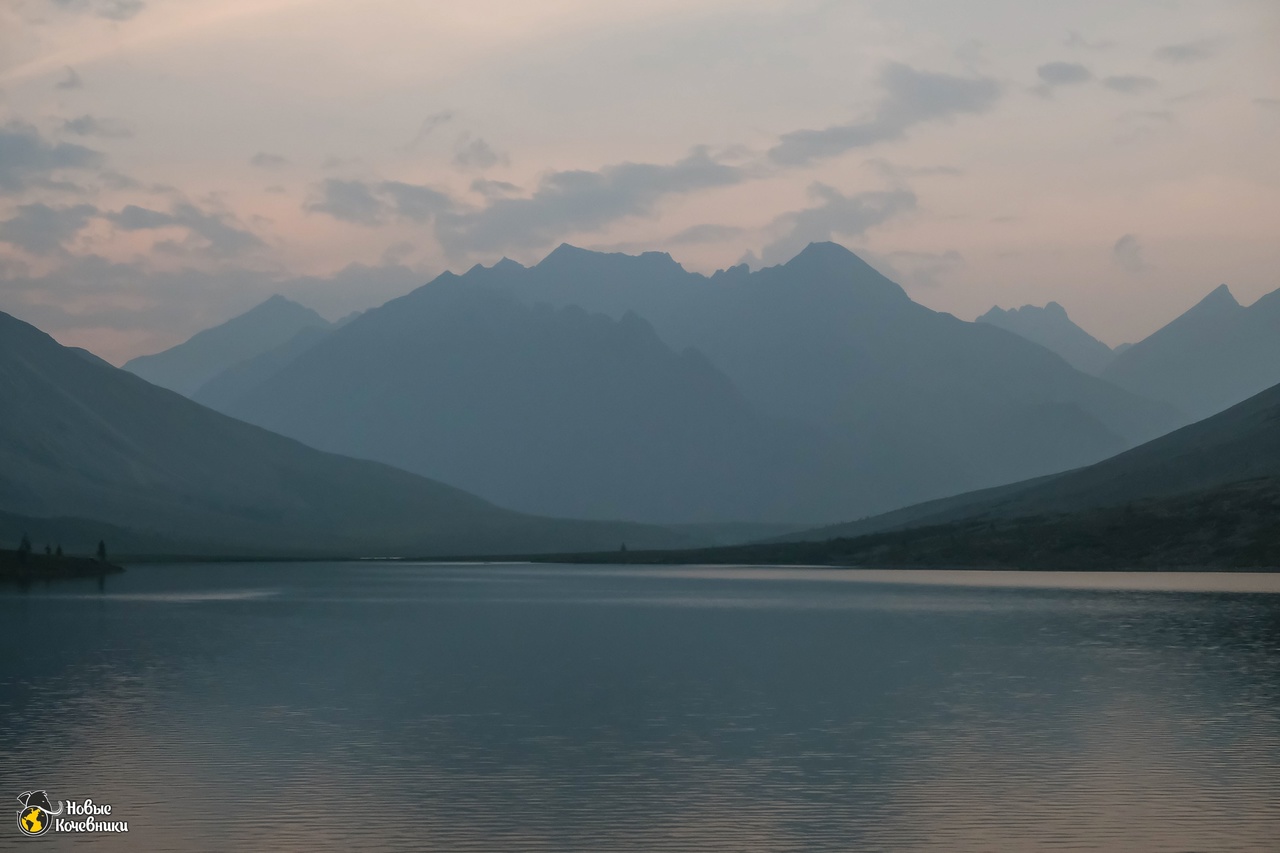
x: 1054, y: 330
x: 821, y: 357
x: 1237, y: 446
x: 189, y: 365
x: 567, y: 412
x: 1213, y: 356
x: 1204, y: 497
x: 102, y: 449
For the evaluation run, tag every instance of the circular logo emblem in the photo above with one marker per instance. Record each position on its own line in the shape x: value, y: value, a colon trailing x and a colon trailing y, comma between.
x: 33, y: 821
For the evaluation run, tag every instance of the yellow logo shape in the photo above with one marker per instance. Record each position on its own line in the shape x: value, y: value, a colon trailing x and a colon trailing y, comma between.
x: 33, y: 821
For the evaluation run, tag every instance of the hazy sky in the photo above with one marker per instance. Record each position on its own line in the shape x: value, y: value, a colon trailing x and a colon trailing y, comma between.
x: 165, y: 164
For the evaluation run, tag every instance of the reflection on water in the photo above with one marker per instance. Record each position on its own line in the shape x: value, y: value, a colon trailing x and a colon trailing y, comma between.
x: 402, y: 707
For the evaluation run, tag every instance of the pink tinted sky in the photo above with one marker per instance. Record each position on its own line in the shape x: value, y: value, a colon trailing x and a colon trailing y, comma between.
x: 166, y: 164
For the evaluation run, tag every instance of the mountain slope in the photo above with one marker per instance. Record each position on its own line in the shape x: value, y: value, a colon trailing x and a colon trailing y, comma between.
x: 83, y: 440
x: 1237, y: 446
x: 189, y: 365
x: 1053, y: 329
x: 931, y: 404
x: 1206, y: 496
x: 897, y: 403
x: 239, y: 379
x: 1213, y: 356
x: 555, y: 411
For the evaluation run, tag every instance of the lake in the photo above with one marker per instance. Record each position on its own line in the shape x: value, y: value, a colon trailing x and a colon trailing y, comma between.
x: 391, y: 706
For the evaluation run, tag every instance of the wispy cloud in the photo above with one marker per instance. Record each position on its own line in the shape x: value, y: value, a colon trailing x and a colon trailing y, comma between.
x: 1187, y: 52
x: 221, y: 236
x: 28, y: 159
x: 268, y: 161
x: 113, y: 10
x: 835, y: 215
x: 580, y: 201
x: 1127, y: 254
x: 474, y: 153
x: 373, y: 203
x: 70, y: 80
x: 910, y: 98
x: 87, y: 125
x: 42, y: 230
x: 1130, y: 84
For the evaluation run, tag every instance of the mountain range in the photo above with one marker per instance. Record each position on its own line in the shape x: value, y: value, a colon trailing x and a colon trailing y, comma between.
x: 88, y: 449
x: 605, y: 385
x: 188, y: 366
x: 1204, y: 496
x: 1215, y: 355
x: 1054, y: 330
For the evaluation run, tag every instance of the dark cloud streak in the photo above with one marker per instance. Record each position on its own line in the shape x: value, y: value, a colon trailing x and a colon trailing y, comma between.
x: 580, y: 201
x: 836, y: 215
x: 911, y: 97
x: 41, y: 230
x: 28, y: 159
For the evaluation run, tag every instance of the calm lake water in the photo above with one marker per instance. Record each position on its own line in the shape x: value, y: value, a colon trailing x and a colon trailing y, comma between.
x: 381, y: 706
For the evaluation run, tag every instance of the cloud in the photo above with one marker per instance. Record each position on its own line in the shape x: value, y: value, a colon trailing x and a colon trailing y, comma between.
x: 475, y: 153
x: 1127, y: 254
x: 1063, y: 73
x: 899, y: 174
x: 41, y: 230
x: 1267, y: 103
x: 580, y: 201
x: 919, y: 269
x: 837, y: 215
x: 490, y: 189
x: 429, y: 126
x: 704, y: 234
x: 87, y: 125
x: 120, y: 310
x: 263, y: 160
x: 70, y: 81
x: 1187, y: 52
x: 366, y: 203
x: 1055, y: 74
x: 113, y: 180
x: 1075, y: 40
x: 27, y: 159
x: 223, y: 238
x: 349, y: 201
x: 112, y: 10
x: 1130, y: 84
x: 418, y: 203
x: 911, y: 97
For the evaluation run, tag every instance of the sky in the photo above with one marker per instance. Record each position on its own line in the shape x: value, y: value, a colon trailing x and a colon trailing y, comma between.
x: 168, y: 164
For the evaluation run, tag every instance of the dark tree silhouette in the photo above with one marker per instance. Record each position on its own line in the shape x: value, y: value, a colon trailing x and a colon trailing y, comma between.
x: 57, y: 552
x: 24, y: 548
x: 48, y: 552
x: 102, y: 551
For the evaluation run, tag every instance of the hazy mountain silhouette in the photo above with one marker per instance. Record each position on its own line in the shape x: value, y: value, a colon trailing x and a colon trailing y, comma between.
x: 1205, y: 496
x: 1239, y: 445
x: 188, y: 366
x: 927, y: 401
x: 1213, y: 356
x: 1051, y: 328
x: 84, y: 441
x: 553, y: 410
x: 559, y: 412
x: 238, y: 379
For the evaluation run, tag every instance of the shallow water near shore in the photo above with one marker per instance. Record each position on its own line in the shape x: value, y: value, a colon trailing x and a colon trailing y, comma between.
x: 396, y: 706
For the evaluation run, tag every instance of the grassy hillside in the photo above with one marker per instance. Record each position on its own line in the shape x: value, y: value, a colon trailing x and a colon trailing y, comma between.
x: 1233, y: 527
